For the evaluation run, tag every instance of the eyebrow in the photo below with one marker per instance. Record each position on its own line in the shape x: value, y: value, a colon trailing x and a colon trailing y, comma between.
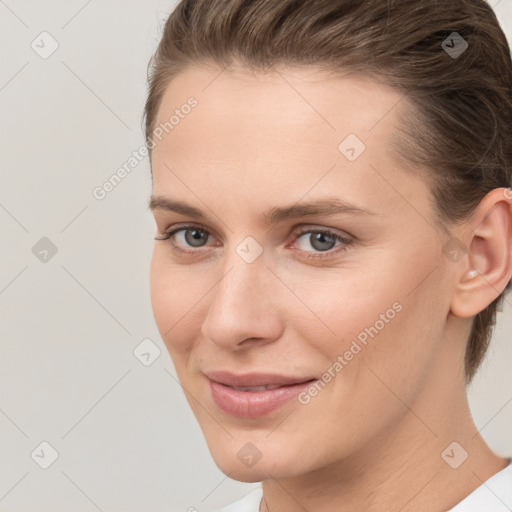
x: 326, y: 206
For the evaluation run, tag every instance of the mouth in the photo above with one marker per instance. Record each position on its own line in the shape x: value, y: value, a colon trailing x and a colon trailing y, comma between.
x: 246, y: 396
x: 259, y: 388
x: 251, y: 381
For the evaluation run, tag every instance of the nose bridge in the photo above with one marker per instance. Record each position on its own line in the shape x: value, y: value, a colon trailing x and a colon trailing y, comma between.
x: 243, y: 285
x: 245, y: 275
x: 240, y: 304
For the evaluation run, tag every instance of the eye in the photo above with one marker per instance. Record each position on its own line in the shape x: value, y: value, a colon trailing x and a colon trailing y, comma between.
x: 321, y: 239
x: 191, y: 236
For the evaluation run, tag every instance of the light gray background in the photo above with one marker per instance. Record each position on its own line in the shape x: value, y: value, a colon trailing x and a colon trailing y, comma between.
x: 125, y: 436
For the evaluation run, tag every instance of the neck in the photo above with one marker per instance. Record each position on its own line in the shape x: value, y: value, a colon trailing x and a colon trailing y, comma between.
x: 414, y: 467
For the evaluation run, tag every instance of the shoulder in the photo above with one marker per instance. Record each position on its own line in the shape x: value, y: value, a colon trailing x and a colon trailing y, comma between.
x: 494, y: 495
x: 248, y: 503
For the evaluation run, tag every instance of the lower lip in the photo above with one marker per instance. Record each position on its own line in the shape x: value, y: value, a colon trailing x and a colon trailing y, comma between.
x: 252, y: 404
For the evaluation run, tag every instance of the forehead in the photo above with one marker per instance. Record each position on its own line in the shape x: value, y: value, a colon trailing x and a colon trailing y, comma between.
x: 302, y: 97
x: 280, y: 131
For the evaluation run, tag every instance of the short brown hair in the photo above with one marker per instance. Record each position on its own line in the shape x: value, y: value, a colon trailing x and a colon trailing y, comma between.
x: 461, y: 128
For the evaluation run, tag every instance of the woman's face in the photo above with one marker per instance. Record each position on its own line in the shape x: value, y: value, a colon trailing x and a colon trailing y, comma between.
x: 365, y: 304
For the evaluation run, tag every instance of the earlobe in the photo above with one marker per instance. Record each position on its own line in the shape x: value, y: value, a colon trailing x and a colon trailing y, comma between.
x: 484, y: 272
x: 470, y: 275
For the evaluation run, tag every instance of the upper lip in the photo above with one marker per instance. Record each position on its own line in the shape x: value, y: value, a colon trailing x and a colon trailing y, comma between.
x: 254, y: 379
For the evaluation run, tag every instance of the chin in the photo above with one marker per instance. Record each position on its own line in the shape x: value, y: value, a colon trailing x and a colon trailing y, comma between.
x: 237, y: 464
x: 248, y: 476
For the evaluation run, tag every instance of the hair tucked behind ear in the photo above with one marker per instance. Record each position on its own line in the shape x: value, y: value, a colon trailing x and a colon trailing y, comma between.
x: 459, y: 129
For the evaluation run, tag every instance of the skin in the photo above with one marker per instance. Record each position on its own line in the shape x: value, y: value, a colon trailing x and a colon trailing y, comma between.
x: 372, y: 439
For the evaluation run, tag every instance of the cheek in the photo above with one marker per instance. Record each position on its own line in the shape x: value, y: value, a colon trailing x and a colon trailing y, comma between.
x: 391, y: 352
x: 174, y: 301
x: 368, y: 327
x: 388, y: 326
x: 349, y: 305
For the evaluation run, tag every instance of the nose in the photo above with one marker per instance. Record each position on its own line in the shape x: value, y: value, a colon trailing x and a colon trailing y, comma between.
x: 243, y: 305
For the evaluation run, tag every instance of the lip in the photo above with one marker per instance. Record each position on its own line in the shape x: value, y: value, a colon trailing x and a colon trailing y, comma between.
x: 253, y: 404
x: 255, y: 379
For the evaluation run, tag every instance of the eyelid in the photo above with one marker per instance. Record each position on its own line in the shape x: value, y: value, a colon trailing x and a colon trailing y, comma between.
x: 184, y: 226
x: 311, y: 227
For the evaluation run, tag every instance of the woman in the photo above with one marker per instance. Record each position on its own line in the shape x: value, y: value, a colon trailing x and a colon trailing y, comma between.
x: 331, y: 192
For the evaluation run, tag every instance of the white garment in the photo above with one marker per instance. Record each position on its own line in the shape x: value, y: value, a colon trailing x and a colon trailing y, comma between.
x: 249, y: 503
x: 494, y: 495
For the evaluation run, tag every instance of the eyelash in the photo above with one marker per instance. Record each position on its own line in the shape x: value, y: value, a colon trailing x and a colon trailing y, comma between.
x: 325, y: 254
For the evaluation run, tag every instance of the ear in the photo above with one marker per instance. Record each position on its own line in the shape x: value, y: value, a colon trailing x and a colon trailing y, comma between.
x: 486, y: 269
